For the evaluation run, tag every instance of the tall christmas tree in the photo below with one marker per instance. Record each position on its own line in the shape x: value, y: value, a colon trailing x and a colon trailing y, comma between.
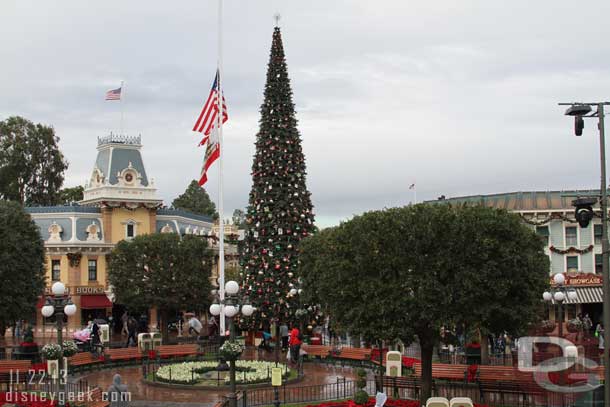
x: 279, y: 213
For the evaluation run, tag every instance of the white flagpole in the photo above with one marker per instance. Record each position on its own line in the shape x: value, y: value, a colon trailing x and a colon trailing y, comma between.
x: 121, y: 101
x: 221, y: 229
x: 415, y: 194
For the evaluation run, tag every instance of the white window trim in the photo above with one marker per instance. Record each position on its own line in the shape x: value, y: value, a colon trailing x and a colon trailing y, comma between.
x: 548, y: 236
x: 565, y: 236
x: 593, y: 232
x: 565, y: 262
x: 135, y: 228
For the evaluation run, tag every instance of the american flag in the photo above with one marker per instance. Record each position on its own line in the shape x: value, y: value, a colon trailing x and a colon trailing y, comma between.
x: 113, y: 94
x: 412, y: 186
x: 208, y: 116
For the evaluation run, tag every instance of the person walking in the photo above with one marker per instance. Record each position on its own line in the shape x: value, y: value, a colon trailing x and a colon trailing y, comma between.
x: 599, y: 332
x: 295, y: 341
x: 212, y: 327
x: 132, y: 328
x: 118, y: 395
x: 195, y: 326
x: 96, y: 343
x: 124, y: 320
x: 587, y: 324
x: 285, y: 335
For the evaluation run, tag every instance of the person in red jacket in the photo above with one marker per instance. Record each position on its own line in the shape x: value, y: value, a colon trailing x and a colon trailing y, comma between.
x: 295, y: 341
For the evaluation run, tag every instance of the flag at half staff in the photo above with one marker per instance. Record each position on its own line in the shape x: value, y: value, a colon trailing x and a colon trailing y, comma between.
x: 209, y: 114
x: 412, y: 186
x: 212, y: 152
x: 114, y: 94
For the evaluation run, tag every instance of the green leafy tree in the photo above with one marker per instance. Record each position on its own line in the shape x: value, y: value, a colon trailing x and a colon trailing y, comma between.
x: 196, y: 200
x: 164, y: 271
x: 21, y: 264
x: 70, y: 195
x: 509, y: 303
x: 31, y: 164
x: 408, y: 272
x: 279, y: 213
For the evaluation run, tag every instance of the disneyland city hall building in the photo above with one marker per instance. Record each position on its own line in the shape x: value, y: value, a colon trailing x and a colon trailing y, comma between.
x: 572, y: 250
x: 119, y: 203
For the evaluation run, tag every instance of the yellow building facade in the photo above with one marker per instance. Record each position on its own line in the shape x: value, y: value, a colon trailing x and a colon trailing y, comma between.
x: 120, y: 203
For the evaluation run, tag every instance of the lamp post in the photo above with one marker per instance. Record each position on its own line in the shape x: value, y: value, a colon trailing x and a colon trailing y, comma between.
x: 59, y: 304
x: 559, y: 294
x: 231, y: 308
x: 579, y: 111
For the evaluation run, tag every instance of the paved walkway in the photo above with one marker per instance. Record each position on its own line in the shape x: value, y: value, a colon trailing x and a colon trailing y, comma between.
x: 147, y: 395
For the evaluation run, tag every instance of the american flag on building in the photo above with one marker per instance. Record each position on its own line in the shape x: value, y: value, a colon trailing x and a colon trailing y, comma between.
x: 114, y: 94
x: 209, y: 114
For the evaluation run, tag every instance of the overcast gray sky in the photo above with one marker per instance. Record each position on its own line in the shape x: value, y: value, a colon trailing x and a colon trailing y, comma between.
x: 458, y: 97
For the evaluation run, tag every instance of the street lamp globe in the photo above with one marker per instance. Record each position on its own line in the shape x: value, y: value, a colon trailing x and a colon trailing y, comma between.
x: 559, y: 279
x: 231, y: 287
x: 47, y: 311
x: 247, y: 310
x: 70, y: 309
x: 572, y: 295
x: 215, y: 309
x: 559, y: 296
x: 547, y: 296
x: 58, y: 288
x: 230, y: 311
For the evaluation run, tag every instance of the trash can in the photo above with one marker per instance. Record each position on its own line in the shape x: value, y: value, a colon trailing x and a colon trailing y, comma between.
x: 105, y: 333
x: 157, y: 340
x: 144, y: 342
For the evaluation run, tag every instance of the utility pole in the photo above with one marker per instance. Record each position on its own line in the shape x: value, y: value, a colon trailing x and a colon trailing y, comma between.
x: 580, y: 110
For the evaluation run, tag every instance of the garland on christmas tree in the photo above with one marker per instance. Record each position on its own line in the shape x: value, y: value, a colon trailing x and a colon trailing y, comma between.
x: 279, y: 213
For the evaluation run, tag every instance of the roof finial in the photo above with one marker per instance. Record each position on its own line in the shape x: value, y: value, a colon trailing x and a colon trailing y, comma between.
x: 277, y: 17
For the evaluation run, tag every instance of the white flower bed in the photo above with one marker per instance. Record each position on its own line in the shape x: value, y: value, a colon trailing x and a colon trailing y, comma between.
x: 183, y: 372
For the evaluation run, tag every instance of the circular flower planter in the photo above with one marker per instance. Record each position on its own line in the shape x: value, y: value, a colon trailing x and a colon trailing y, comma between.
x: 205, y: 374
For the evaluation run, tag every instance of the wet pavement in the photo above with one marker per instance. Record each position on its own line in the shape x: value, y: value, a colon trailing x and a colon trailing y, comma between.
x: 149, y: 395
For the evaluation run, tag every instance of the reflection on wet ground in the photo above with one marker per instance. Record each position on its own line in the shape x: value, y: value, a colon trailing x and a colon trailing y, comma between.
x: 315, y: 373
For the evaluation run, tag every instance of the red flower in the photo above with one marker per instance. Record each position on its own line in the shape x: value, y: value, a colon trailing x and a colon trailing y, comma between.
x: 409, y: 362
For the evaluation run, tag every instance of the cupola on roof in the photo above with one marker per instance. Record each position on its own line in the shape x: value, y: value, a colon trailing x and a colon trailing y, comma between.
x: 119, y: 176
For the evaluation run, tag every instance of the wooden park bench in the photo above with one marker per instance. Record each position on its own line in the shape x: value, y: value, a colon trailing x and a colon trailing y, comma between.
x: 499, y: 373
x: 14, y: 371
x: 358, y: 354
x: 123, y: 354
x: 317, y: 351
x: 444, y: 371
x: 83, y: 359
x: 168, y: 351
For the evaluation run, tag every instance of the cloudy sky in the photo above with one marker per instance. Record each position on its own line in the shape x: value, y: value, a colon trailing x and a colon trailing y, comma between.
x: 459, y: 97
